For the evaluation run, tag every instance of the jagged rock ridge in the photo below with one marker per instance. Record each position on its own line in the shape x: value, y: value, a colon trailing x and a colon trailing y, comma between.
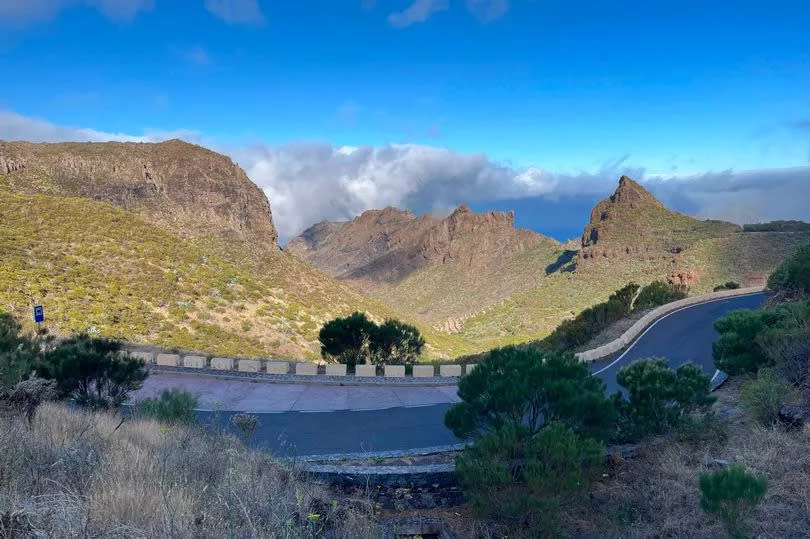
x: 387, y: 245
x: 187, y: 188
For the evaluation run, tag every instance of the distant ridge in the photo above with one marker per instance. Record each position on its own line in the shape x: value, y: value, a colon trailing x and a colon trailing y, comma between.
x: 476, y: 276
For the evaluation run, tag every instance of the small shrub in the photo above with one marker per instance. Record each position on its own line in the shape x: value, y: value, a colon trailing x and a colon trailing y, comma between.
x: 522, y: 480
x: 787, y: 345
x: 737, y: 350
x: 346, y: 340
x: 730, y: 285
x: 92, y: 372
x: 173, y: 406
x: 762, y: 397
x: 660, y: 398
x: 356, y: 339
x: 587, y: 324
x: 247, y: 424
x: 532, y: 387
x: 658, y: 293
x: 18, y: 351
x: 396, y: 342
x: 731, y: 494
x: 793, y: 275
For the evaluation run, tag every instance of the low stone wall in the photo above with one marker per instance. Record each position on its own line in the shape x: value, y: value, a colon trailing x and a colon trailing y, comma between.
x: 395, y: 373
x: 279, y: 368
x: 650, y: 318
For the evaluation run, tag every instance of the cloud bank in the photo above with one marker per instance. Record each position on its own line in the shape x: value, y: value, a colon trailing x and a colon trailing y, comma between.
x: 310, y: 181
x: 17, y: 127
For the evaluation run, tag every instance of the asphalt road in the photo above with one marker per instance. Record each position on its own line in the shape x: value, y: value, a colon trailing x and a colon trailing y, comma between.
x: 685, y: 335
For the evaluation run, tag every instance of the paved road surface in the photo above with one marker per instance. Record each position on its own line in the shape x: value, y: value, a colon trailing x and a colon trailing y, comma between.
x: 412, y: 417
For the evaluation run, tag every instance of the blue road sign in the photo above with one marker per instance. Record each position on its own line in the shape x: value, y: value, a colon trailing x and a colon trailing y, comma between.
x: 39, y: 314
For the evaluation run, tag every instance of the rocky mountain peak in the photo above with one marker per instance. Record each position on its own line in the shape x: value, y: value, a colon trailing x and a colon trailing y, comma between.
x: 630, y: 193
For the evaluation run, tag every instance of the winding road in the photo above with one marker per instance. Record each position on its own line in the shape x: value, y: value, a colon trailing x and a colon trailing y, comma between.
x: 316, y: 420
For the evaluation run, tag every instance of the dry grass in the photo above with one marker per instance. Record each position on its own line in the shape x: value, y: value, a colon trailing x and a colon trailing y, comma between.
x: 81, y: 474
x: 656, y: 494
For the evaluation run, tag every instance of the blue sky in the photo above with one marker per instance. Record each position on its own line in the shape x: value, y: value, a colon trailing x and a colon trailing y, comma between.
x: 575, y: 89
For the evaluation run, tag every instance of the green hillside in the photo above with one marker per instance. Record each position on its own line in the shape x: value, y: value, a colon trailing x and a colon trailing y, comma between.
x: 99, y: 268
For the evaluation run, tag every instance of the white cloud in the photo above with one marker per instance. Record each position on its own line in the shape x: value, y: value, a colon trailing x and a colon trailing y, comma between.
x: 236, y: 11
x: 487, y: 10
x: 21, y: 13
x: 16, y: 127
x: 418, y: 11
x: 311, y: 182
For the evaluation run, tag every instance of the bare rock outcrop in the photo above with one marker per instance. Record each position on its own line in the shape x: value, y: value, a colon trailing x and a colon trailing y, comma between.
x: 475, y: 239
x: 181, y: 186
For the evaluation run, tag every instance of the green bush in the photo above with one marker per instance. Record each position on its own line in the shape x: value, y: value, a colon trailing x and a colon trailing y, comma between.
x: 590, y: 322
x: 396, y: 342
x: 532, y: 387
x: 658, y: 293
x: 523, y: 480
x: 732, y: 494
x: 793, y: 275
x: 18, y: 352
x: 658, y: 397
x: 356, y: 339
x: 346, y: 340
x: 762, y: 397
x: 737, y: 350
x: 730, y: 285
x: 173, y: 406
x: 787, y: 345
x: 92, y: 372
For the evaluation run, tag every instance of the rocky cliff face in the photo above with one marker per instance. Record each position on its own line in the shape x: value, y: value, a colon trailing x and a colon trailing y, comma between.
x: 474, y: 239
x: 386, y: 245
x: 187, y: 188
x: 341, y: 248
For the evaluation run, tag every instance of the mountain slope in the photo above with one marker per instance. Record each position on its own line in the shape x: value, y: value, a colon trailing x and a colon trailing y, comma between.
x: 190, y: 262
x: 180, y: 186
x: 497, y: 287
x: 437, y: 270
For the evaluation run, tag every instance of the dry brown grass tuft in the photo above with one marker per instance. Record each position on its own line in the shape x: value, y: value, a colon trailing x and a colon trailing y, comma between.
x: 87, y: 474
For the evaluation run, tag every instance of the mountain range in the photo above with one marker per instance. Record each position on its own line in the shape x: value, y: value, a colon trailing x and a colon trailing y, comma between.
x: 171, y: 244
